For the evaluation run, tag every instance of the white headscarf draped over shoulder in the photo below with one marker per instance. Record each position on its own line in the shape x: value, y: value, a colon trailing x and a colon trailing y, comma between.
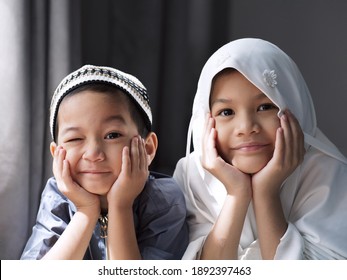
x: 275, y: 74
x: 307, y: 195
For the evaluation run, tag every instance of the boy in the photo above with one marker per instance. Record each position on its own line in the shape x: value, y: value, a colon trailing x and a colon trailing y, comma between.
x: 102, y: 202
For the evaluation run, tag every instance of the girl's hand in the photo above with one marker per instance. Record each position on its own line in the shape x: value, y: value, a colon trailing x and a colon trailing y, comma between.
x: 66, y: 185
x: 133, y: 175
x: 288, y: 154
x: 233, y: 179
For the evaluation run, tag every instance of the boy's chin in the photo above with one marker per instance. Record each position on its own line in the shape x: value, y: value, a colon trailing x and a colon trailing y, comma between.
x: 94, y: 188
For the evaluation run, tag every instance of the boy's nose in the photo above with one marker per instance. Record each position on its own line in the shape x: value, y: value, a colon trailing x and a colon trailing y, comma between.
x: 94, y: 152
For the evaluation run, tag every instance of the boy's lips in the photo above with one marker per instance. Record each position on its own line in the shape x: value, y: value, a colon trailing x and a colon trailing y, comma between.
x: 94, y: 172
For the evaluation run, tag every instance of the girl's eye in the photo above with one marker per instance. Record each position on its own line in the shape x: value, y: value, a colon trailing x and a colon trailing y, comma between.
x: 226, y: 112
x: 113, y: 135
x: 265, y: 107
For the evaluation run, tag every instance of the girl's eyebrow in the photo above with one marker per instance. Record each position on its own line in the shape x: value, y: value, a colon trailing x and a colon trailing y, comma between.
x: 221, y: 100
x: 259, y: 96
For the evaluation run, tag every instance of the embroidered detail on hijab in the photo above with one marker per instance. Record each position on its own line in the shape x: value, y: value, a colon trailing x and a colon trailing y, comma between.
x: 270, y: 78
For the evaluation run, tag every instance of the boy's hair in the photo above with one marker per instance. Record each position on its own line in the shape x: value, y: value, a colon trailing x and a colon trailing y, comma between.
x: 136, y: 113
x: 105, y: 79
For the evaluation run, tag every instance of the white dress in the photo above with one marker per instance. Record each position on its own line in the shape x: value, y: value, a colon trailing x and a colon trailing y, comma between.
x: 314, y: 196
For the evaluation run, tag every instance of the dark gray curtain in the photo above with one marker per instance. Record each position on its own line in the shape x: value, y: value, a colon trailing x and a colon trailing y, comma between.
x: 165, y: 44
x: 35, y: 53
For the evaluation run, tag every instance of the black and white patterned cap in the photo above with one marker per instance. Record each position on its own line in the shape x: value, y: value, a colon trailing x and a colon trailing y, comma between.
x: 89, y: 74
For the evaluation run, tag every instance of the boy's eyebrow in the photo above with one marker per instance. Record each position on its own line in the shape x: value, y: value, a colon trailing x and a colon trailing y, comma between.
x: 69, y: 128
x: 118, y: 118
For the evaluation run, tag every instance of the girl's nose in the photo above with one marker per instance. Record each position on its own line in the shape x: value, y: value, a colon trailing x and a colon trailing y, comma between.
x: 246, y: 124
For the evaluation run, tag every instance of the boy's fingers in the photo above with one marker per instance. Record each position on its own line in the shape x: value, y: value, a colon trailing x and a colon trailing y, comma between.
x: 143, y: 155
x: 59, y: 156
x: 126, y: 165
x: 134, y: 152
x: 66, y: 176
x: 68, y: 183
x: 140, y: 152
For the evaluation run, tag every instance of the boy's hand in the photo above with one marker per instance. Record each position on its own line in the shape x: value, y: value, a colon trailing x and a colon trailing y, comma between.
x: 133, y: 175
x: 288, y: 154
x: 73, y: 191
x: 235, y: 181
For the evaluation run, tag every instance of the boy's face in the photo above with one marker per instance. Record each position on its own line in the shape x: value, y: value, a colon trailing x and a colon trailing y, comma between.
x: 93, y: 128
x: 246, y: 122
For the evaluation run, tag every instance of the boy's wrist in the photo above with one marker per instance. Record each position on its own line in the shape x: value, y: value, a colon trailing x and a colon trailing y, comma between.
x: 122, y: 204
x: 90, y: 211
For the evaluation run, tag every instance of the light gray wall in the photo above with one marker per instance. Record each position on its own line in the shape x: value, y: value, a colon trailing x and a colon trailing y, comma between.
x: 314, y: 34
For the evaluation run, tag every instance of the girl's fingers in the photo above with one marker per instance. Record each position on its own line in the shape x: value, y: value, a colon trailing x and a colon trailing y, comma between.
x: 208, y: 126
x: 209, y: 133
x: 288, y: 137
x: 279, y: 152
x: 298, y: 148
x: 293, y: 139
x: 297, y: 133
x: 211, y: 144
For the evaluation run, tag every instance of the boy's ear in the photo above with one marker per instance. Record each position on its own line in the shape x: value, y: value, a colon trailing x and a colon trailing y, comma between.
x: 151, y: 145
x: 52, y: 148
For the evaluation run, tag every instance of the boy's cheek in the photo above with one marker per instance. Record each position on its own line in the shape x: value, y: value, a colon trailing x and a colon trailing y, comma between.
x: 70, y: 156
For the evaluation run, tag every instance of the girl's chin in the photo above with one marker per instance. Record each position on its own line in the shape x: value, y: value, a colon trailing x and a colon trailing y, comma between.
x: 249, y: 166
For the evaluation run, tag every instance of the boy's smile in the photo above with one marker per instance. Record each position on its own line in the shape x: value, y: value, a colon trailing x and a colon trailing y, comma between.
x: 94, y: 128
x: 246, y: 122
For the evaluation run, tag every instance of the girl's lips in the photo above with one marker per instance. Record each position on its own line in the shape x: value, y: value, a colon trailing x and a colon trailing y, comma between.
x: 249, y: 147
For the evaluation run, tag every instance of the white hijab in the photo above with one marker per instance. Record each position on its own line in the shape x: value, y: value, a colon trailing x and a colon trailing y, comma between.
x: 278, y: 77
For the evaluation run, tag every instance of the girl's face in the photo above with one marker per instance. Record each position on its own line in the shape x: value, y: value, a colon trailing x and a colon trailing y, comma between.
x: 94, y: 128
x: 246, y: 122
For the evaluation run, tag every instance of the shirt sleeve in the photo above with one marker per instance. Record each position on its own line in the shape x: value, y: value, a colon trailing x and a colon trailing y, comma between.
x: 53, y: 216
x: 317, y: 227
x: 162, y: 232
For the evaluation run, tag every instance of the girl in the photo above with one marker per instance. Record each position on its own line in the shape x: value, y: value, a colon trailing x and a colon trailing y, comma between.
x: 263, y: 182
